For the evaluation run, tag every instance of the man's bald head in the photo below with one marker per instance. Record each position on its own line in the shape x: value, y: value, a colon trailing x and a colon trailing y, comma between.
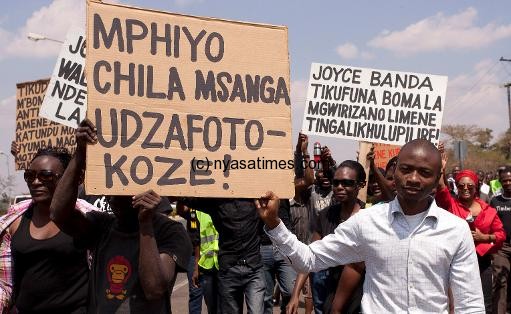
x: 421, y: 147
x: 416, y: 176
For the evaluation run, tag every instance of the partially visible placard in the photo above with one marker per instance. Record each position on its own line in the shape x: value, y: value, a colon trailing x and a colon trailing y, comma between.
x: 383, y: 153
x: 66, y: 97
x: 34, y: 132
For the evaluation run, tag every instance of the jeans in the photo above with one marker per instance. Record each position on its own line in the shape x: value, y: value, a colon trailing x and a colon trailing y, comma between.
x: 209, y: 285
x: 194, y: 294
x: 274, y: 264
x: 319, y: 289
x: 501, y: 272
x: 240, y: 281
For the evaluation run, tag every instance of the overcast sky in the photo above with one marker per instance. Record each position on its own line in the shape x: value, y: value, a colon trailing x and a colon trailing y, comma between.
x: 460, y: 39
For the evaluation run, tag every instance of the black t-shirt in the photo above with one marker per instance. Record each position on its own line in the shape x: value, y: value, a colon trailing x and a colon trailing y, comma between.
x: 329, y: 219
x: 237, y: 223
x: 503, y: 207
x: 324, y: 224
x: 50, y: 276
x: 101, y: 202
x: 114, y: 284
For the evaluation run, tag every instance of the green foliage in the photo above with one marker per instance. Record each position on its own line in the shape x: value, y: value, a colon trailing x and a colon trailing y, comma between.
x: 4, y: 206
x: 481, y: 154
x: 469, y: 133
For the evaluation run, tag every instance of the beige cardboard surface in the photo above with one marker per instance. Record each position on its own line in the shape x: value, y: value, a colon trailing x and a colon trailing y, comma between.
x: 363, y: 150
x: 199, y: 90
x: 34, y: 132
x: 383, y: 153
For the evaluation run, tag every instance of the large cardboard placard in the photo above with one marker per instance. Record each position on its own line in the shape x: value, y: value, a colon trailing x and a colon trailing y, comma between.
x: 186, y: 105
x: 66, y: 98
x: 374, y: 105
x: 32, y: 131
x: 383, y: 153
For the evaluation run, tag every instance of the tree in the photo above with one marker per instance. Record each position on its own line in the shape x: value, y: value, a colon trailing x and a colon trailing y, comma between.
x: 459, y: 132
x: 470, y: 133
x: 6, y: 185
x: 480, y: 154
x: 483, y: 137
x: 503, y: 144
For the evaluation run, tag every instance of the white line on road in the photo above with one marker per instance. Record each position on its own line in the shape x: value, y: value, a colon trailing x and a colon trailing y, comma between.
x: 180, y: 285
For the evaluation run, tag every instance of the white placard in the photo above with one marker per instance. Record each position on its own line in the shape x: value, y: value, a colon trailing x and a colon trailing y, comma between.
x: 65, y: 101
x: 374, y: 105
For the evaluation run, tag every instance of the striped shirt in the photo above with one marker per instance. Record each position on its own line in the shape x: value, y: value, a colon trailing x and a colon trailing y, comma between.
x: 301, y: 220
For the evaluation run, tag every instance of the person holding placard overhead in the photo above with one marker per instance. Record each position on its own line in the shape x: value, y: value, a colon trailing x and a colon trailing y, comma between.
x: 413, y: 250
x: 136, y: 252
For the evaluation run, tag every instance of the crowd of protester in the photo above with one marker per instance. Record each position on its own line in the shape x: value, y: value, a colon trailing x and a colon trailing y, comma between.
x: 326, y: 198
x: 401, y: 248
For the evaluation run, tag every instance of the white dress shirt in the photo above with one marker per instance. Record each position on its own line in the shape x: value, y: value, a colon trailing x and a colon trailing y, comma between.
x: 407, y: 271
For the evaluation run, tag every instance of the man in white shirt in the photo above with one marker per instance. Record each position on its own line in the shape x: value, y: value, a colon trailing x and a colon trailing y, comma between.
x: 413, y: 250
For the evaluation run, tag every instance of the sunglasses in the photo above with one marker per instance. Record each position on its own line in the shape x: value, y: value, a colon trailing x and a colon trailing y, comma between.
x: 467, y: 186
x: 44, y: 176
x: 347, y: 183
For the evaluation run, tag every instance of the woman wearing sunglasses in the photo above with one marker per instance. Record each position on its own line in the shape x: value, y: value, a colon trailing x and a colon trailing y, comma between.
x: 49, y: 273
x: 487, y: 229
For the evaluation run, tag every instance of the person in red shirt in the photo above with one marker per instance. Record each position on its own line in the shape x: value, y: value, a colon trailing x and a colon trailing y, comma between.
x: 487, y: 229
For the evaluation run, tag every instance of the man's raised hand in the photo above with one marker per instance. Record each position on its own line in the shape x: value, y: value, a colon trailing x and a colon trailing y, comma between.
x: 268, y: 208
x: 303, y: 143
x: 86, y: 134
x: 14, y: 149
x: 146, y: 202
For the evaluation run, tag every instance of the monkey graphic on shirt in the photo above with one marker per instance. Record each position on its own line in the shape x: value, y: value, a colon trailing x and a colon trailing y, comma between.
x: 118, y: 273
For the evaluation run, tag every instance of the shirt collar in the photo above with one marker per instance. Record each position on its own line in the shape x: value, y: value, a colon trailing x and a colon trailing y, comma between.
x: 293, y: 202
x: 395, y: 209
x: 13, y: 213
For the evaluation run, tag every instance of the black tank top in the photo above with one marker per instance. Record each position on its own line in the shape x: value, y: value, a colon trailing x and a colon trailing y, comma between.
x: 50, y: 276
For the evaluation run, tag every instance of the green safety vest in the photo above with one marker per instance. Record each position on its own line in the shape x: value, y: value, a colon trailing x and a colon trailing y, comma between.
x: 208, y: 242
x: 495, y: 185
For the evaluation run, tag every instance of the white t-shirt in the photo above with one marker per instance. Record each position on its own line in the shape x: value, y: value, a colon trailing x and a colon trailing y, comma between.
x: 485, y: 188
x: 414, y: 220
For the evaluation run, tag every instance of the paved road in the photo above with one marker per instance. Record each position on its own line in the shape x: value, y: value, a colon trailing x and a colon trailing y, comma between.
x: 180, y: 293
x: 180, y: 297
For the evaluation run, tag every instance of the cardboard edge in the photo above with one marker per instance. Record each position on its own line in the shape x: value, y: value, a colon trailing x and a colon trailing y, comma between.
x: 201, y: 18
x: 19, y: 85
x: 442, y: 76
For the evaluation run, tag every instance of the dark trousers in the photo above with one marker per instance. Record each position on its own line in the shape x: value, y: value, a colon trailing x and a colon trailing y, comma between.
x: 240, y: 282
x: 485, y: 269
x: 501, y: 272
x: 210, y: 290
x: 194, y: 294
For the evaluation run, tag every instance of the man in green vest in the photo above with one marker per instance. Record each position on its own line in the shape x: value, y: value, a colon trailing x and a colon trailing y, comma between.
x: 206, y: 263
